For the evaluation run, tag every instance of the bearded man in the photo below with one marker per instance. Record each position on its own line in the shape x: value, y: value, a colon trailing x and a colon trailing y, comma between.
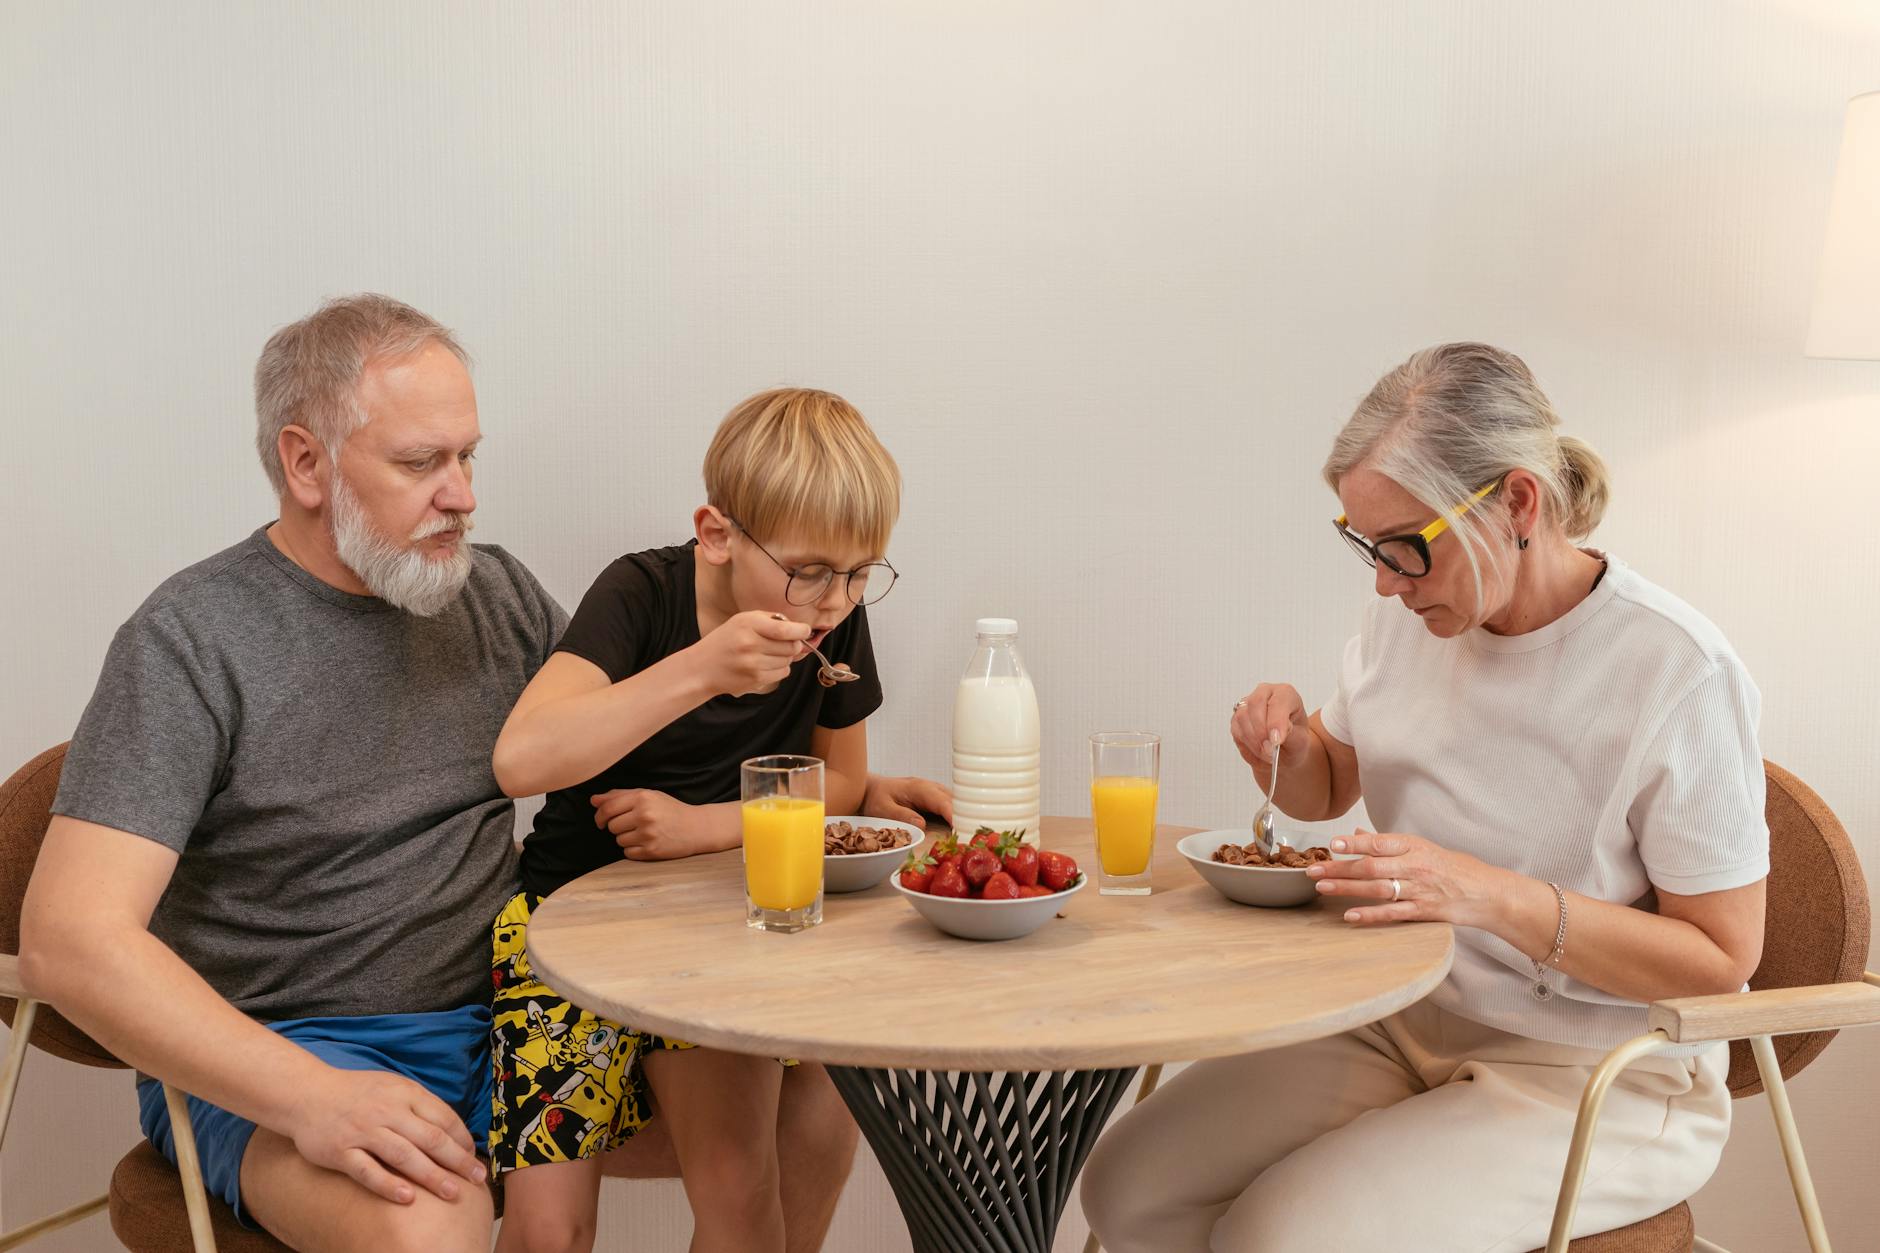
x: 278, y: 843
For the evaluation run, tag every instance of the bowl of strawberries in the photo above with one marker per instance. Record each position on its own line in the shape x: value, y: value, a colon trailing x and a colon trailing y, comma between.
x: 993, y: 887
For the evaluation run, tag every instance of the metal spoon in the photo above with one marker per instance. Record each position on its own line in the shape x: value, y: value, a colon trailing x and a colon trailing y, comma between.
x: 829, y: 675
x: 1263, y: 818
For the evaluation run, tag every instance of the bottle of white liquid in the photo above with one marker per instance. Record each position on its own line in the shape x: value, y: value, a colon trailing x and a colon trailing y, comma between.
x: 995, y: 738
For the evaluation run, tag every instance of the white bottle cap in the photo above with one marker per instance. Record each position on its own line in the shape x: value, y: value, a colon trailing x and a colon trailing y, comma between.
x: 996, y: 626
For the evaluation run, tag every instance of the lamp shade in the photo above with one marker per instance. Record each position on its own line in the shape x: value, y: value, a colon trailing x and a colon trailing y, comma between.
x: 1846, y: 321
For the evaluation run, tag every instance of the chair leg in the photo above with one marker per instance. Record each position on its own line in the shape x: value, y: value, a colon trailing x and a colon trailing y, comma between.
x: 23, y: 1015
x: 1592, y: 1101
x: 189, y: 1166
x: 52, y: 1222
x: 1701, y: 1245
x: 25, y: 1012
x: 1799, y: 1179
x: 1151, y: 1075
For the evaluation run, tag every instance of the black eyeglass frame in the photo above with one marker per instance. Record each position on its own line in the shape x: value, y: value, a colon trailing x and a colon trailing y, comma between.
x: 1370, y: 551
x: 866, y: 570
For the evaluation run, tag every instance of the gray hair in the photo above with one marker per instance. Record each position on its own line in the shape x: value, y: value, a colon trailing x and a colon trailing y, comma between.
x: 1457, y: 417
x: 309, y: 372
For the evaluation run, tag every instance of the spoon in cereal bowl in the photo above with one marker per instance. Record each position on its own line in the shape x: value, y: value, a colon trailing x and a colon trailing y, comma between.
x: 1264, y: 817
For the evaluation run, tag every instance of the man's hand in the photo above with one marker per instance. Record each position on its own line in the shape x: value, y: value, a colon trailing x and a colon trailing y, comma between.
x: 387, y: 1134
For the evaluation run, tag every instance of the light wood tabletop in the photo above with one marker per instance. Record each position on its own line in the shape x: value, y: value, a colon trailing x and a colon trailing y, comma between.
x: 1115, y: 981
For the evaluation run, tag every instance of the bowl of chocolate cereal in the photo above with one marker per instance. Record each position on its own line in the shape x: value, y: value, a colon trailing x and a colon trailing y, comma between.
x: 1234, y: 866
x: 859, y: 852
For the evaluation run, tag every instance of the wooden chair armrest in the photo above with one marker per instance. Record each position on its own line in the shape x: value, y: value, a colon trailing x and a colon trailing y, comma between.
x: 10, y: 977
x: 1775, y: 1011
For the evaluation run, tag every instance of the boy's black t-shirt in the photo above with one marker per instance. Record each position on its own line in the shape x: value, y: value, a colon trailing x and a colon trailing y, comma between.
x: 644, y: 608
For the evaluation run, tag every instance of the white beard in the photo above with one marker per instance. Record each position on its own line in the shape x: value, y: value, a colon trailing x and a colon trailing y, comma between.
x: 401, y: 576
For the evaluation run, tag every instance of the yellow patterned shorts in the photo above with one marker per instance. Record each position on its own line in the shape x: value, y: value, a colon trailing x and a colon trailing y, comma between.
x: 568, y: 1083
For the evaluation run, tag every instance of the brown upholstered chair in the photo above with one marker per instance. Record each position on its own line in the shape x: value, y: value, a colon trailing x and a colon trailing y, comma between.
x: 1812, y: 980
x: 153, y: 1208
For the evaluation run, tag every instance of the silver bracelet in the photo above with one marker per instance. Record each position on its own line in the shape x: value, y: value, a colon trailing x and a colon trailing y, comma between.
x: 1541, y: 990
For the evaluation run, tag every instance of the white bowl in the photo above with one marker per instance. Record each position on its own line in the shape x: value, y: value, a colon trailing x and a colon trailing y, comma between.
x: 1273, y: 886
x: 857, y: 872
x: 990, y: 920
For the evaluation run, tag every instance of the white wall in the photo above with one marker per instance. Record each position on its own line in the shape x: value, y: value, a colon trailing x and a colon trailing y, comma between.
x: 1106, y: 277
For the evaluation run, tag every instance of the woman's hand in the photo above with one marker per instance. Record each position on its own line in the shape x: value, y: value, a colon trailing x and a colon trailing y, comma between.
x: 648, y: 825
x: 1272, y: 711
x: 1691, y: 946
x: 1432, y: 883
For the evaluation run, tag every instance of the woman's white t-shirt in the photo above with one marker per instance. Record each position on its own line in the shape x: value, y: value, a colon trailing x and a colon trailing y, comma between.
x: 1612, y: 751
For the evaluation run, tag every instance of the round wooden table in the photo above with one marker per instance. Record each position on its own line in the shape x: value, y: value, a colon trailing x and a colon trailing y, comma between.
x: 980, y: 1073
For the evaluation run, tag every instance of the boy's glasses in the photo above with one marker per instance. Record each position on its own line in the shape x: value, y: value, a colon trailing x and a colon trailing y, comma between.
x: 1408, y: 555
x: 866, y: 584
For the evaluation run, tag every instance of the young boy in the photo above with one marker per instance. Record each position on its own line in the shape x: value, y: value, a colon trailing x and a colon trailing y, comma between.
x: 680, y: 664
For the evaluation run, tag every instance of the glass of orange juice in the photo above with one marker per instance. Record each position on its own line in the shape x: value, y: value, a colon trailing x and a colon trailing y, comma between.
x: 1125, y: 777
x: 783, y: 842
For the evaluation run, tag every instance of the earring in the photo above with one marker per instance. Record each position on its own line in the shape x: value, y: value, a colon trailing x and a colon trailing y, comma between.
x: 1523, y: 543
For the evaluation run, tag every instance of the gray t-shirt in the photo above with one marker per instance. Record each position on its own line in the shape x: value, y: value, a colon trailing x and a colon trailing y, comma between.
x: 321, y: 761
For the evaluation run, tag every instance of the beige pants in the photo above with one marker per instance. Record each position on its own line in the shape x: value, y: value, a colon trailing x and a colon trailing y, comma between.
x: 1423, y: 1133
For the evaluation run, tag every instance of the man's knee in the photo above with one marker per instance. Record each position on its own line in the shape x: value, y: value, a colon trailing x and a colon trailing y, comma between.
x: 430, y: 1224
x: 308, y: 1207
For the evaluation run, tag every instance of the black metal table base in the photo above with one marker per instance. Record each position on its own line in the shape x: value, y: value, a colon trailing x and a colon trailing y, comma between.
x: 981, y: 1162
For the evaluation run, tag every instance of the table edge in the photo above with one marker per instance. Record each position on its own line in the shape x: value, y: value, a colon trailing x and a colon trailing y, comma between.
x: 940, y: 1056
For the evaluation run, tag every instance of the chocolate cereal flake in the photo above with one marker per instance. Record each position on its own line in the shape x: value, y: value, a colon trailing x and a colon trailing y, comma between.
x: 1286, y: 856
x: 840, y: 838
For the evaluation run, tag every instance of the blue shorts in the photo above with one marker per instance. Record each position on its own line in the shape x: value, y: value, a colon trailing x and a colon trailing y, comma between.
x: 448, y: 1052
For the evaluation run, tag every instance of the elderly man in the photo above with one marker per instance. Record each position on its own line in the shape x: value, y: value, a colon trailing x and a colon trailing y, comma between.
x: 278, y: 845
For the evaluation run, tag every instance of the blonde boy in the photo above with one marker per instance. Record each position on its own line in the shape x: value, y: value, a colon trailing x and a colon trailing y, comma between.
x: 680, y: 663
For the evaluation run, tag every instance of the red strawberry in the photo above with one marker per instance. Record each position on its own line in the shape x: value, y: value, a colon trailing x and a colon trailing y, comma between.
x: 1000, y: 887
x: 946, y: 852
x: 1036, y: 889
x: 948, y: 881
x: 1020, y: 859
x: 1056, y: 871
x: 985, y: 837
x: 917, y: 872
x: 979, y: 865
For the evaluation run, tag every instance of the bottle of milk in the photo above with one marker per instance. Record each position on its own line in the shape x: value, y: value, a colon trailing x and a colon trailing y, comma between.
x: 995, y: 738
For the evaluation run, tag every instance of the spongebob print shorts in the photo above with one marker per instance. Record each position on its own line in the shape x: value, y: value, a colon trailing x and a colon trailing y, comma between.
x: 568, y: 1083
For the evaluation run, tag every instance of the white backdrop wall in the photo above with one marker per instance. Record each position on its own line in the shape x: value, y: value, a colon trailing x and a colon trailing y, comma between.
x: 1105, y: 276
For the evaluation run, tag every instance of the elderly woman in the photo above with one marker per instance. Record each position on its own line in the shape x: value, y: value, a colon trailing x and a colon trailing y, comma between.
x: 1561, y: 761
